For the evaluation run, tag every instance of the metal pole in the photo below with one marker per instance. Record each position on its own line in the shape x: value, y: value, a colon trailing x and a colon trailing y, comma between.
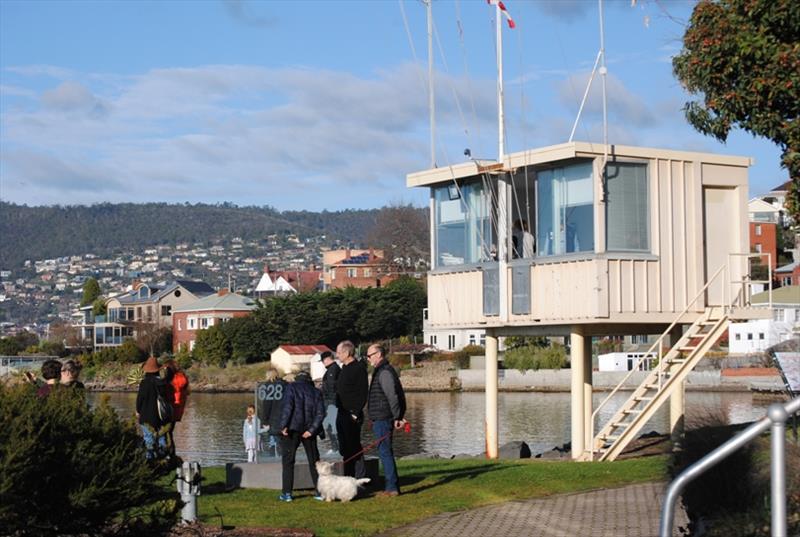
x: 431, y: 101
x: 501, y: 151
x: 603, y: 73
x: 778, y: 415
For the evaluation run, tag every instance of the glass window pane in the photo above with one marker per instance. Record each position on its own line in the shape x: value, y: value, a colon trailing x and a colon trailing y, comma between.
x: 463, y: 224
x: 627, y: 213
x: 565, y: 221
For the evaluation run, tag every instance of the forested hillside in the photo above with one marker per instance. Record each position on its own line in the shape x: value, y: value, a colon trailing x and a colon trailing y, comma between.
x: 45, y: 232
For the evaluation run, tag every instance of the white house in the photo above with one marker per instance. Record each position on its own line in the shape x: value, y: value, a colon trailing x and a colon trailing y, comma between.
x: 625, y: 361
x: 760, y: 334
x: 293, y: 358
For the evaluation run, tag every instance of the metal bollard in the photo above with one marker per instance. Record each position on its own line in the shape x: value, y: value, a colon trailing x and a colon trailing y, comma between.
x: 189, y: 489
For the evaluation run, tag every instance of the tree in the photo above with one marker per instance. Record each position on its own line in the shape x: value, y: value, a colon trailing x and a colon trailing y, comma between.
x: 68, y: 468
x: 212, y: 347
x: 743, y: 57
x: 403, y: 233
x: 91, y: 292
x: 152, y: 338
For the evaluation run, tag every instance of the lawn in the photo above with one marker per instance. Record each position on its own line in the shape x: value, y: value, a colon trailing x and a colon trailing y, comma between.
x: 429, y: 487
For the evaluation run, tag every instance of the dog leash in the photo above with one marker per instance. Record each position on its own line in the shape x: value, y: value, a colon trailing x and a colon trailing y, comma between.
x: 406, y: 428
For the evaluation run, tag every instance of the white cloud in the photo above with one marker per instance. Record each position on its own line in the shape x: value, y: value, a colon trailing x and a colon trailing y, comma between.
x: 623, y: 105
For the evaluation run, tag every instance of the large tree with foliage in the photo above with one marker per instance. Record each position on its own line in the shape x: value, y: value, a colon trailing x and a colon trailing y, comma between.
x: 743, y: 58
x: 91, y: 292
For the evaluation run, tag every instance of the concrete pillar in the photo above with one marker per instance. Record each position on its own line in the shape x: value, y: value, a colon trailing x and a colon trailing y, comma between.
x: 577, y: 405
x: 677, y: 404
x: 587, y: 391
x: 491, y: 395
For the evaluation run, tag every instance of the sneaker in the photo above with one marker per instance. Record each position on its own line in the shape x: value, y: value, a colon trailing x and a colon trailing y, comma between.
x: 318, y: 497
x: 284, y: 497
x: 388, y: 493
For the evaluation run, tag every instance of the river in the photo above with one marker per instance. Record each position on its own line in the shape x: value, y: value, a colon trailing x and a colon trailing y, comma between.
x: 442, y: 423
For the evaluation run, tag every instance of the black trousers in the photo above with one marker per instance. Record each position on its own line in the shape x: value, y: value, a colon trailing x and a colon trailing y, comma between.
x: 289, y: 446
x: 349, y: 432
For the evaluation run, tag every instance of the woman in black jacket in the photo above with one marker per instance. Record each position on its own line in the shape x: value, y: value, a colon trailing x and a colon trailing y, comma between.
x: 155, y: 426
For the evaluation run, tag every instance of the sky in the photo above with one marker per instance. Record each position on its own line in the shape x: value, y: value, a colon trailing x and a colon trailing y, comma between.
x: 319, y: 105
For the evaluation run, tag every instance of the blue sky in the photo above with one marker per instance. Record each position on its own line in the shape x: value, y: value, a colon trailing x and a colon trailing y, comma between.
x: 317, y: 105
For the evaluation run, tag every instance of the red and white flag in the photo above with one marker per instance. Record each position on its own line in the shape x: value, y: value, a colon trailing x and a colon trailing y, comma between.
x: 503, y: 10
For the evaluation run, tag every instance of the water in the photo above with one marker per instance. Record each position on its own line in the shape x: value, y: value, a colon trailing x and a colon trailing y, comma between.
x: 443, y: 423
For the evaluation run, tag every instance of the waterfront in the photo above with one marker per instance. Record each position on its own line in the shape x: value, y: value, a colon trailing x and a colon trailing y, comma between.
x: 443, y: 423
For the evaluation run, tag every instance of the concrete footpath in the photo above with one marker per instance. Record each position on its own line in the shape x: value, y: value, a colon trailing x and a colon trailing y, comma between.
x: 631, y: 511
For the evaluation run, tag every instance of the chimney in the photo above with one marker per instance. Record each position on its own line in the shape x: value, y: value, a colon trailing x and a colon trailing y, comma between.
x: 222, y: 292
x: 371, y: 253
x: 347, y: 253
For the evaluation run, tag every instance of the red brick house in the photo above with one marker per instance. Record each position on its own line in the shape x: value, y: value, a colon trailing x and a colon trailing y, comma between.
x: 764, y: 240
x: 205, y: 313
x: 361, y: 270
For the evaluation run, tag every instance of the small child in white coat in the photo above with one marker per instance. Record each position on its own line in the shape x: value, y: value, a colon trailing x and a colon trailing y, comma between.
x: 251, y: 433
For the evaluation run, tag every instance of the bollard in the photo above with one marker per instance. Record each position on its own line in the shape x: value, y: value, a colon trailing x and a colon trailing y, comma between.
x: 189, y: 489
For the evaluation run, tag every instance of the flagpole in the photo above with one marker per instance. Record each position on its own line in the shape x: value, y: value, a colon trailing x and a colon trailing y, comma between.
x: 502, y: 194
x: 431, y: 101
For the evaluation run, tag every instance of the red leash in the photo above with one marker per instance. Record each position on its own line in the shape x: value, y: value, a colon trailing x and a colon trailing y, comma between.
x: 406, y: 428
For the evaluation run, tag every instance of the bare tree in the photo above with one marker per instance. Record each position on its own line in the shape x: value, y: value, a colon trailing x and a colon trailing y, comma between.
x: 403, y: 233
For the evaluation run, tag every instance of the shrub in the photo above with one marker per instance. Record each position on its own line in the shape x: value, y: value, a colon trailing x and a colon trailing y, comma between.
x: 400, y: 360
x: 532, y: 358
x: 67, y: 468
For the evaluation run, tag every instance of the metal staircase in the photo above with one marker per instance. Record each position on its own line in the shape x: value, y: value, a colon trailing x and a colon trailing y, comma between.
x: 672, y: 369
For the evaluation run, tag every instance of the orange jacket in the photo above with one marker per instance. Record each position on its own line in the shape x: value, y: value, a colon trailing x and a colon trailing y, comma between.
x: 180, y: 387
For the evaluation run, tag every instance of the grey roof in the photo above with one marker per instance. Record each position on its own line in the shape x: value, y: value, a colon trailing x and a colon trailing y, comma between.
x: 197, y: 288
x: 788, y: 268
x: 157, y: 292
x: 215, y: 302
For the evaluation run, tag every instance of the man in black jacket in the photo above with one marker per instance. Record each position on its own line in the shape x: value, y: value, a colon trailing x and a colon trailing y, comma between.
x: 329, y: 380
x: 301, y: 420
x: 351, y: 396
x: 387, y: 408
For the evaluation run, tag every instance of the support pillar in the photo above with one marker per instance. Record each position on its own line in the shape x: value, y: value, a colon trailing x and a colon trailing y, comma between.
x: 491, y: 395
x: 577, y: 404
x: 587, y: 392
x: 677, y: 403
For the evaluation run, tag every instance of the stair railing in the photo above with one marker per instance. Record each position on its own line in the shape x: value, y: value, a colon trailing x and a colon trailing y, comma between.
x: 747, y: 282
x: 777, y: 415
x: 658, y: 343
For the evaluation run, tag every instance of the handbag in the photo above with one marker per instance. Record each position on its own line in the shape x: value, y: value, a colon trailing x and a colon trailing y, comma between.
x: 164, y: 409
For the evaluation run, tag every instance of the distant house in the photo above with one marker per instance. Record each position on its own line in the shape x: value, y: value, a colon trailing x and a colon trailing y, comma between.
x: 788, y: 274
x: 205, y: 313
x: 143, y: 303
x: 292, y: 358
x: 777, y: 198
x: 357, y: 268
x: 280, y: 283
x: 760, y: 334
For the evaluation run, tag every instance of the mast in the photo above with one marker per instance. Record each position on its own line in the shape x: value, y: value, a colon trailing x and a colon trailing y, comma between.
x: 502, y: 193
x: 431, y: 102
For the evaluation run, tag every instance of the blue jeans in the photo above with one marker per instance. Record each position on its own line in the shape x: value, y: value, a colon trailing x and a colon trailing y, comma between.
x: 155, y: 445
x: 386, y: 453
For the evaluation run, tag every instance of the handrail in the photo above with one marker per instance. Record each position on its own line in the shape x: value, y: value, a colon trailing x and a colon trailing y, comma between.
x: 750, y: 281
x: 723, y: 268
x: 777, y: 415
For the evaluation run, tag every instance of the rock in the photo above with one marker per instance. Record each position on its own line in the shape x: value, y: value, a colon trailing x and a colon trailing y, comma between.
x: 553, y: 454
x: 514, y: 450
x: 420, y: 456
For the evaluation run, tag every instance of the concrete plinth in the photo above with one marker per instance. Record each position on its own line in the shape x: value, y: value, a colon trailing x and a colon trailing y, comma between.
x: 267, y: 475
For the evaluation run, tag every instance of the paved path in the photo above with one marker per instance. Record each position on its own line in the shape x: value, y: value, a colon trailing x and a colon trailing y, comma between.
x: 632, y: 511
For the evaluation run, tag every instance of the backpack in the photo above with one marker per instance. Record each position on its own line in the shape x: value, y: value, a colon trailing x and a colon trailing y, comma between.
x: 164, y: 409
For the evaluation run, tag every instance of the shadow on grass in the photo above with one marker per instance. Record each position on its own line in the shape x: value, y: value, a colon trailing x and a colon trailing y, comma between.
x: 444, y: 476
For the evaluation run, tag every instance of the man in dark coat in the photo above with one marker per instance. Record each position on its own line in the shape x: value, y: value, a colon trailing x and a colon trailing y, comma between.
x: 329, y: 381
x: 387, y: 408
x: 301, y: 421
x: 351, y: 396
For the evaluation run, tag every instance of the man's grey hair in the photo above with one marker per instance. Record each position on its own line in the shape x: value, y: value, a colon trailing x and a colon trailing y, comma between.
x: 380, y: 348
x: 348, y: 347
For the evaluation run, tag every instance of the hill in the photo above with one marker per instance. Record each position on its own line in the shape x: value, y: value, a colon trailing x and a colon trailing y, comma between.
x: 55, y: 231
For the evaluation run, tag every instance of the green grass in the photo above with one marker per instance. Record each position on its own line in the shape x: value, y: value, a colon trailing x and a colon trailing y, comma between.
x: 429, y: 488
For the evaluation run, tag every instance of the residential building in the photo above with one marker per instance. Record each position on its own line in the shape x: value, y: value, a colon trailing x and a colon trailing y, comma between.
x: 365, y: 269
x: 204, y: 313
x: 760, y: 334
x: 284, y: 282
x: 142, y: 304
x: 788, y: 274
x: 451, y: 339
x: 777, y: 198
x: 293, y: 358
x: 622, y: 241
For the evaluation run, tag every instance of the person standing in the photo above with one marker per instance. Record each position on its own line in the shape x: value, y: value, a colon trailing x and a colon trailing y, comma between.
x: 69, y: 374
x: 51, y: 373
x: 329, y: 380
x: 301, y: 420
x: 387, y: 408
x: 351, y: 396
x: 251, y: 433
x: 155, y: 428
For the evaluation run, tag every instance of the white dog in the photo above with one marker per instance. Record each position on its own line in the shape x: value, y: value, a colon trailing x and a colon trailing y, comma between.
x: 336, y: 487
